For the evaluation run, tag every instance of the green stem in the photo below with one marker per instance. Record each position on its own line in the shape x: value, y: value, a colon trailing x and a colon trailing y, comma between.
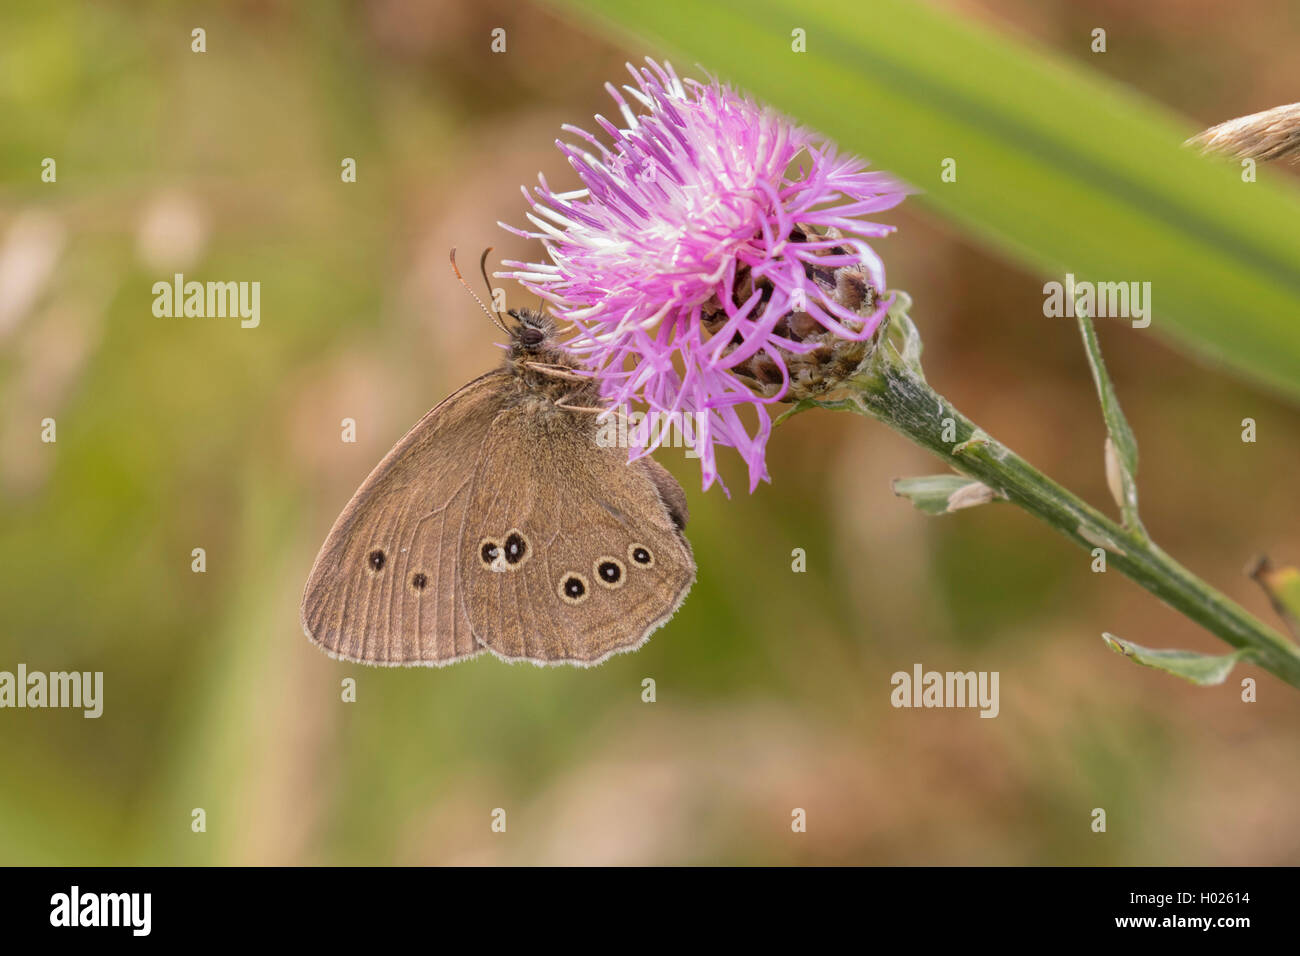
x: 896, y: 393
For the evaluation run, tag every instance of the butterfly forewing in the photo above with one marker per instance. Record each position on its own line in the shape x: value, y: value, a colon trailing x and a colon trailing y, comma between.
x: 383, y: 588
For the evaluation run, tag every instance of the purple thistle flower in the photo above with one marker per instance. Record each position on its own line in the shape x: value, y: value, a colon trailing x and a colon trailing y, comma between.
x: 692, y: 239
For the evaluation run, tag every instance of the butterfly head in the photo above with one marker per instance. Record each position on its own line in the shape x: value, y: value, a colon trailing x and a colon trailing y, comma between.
x: 534, y: 330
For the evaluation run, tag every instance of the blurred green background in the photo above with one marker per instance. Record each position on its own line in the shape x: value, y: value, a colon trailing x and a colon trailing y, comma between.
x: 773, y: 687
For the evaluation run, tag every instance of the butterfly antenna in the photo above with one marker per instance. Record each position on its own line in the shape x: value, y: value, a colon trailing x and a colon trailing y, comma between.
x: 490, y: 313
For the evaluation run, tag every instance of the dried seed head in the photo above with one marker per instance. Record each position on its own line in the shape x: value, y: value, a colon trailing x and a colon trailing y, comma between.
x: 1271, y: 134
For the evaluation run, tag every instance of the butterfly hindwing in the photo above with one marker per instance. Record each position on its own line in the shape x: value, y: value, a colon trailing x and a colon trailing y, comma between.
x: 570, y: 553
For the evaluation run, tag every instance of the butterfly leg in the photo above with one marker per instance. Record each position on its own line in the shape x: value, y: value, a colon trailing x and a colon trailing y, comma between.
x: 557, y: 371
x: 579, y: 408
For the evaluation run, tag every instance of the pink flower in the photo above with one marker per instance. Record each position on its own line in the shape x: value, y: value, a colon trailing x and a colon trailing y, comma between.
x: 696, y: 202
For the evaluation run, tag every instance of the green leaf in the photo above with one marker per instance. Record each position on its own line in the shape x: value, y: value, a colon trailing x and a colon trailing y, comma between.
x: 943, y: 494
x: 1205, y: 670
x: 1058, y: 167
x: 1116, y: 424
x: 1121, y: 447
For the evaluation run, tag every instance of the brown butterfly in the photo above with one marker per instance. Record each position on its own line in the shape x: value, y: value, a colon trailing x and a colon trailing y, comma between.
x: 501, y: 523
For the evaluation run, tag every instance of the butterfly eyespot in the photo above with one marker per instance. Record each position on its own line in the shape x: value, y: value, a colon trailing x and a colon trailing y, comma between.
x: 641, y: 555
x: 609, y: 572
x: 419, y: 581
x: 376, y: 560
x: 488, y: 552
x: 573, y: 588
x: 516, y: 547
